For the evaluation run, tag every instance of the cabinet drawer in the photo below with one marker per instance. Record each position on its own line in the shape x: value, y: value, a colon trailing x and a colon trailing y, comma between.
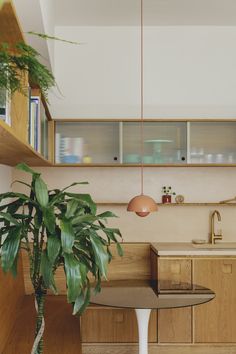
x: 114, y: 326
x: 174, y: 274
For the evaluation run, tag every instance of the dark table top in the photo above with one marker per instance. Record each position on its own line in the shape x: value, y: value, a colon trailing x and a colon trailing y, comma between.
x: 144, y: 295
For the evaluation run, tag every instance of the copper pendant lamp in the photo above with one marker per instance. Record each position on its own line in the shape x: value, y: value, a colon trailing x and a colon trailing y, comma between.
x: 142, y: 204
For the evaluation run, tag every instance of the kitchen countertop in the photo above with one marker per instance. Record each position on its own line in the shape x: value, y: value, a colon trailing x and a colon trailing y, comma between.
x: 188, y: 249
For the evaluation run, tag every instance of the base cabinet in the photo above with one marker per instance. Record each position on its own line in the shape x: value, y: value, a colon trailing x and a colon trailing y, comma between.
x: 212, y: 324
x: 215, y: 322
x: 174, y: 325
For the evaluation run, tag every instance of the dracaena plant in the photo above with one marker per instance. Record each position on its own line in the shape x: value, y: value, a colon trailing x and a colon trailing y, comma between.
x: 55, y: 228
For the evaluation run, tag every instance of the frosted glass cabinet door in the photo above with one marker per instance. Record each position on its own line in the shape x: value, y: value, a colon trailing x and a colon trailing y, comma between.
x: 164, y: 143
x: 212, y: 142
x: 87, y: 142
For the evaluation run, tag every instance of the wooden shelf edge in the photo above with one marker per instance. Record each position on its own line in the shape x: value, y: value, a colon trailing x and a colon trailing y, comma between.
x: 139, y: 165
x: 14, y: 151
x: 171, y: 204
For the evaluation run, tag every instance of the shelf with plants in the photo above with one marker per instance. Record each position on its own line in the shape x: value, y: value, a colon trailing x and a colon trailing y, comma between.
x: 167, y: 143
x: 17, y: 63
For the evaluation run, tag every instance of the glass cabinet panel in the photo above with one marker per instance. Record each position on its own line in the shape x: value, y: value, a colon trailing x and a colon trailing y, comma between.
x: 87, y: 142
x: 212, y: 142
x: 164, y: 142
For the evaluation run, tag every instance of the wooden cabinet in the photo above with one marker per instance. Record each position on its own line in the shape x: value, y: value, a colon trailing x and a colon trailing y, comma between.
x: 108, y: 325
x: 174, y: 325
x: 215, y: 322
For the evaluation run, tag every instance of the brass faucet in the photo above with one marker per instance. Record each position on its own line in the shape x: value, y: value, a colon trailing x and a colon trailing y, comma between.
x: 213, y: 235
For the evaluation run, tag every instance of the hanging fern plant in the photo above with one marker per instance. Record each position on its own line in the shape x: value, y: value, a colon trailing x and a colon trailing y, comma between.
x: 16, y: 62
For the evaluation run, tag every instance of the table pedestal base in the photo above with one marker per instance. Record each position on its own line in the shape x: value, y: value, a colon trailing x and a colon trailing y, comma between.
x: 143, y: 316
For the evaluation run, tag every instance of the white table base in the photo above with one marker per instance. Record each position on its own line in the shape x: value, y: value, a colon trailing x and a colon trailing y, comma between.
x: 143, y: 316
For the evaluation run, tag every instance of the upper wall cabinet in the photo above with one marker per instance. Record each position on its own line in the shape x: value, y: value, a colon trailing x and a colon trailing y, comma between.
x: 165, y: 143
x: 112, y: 142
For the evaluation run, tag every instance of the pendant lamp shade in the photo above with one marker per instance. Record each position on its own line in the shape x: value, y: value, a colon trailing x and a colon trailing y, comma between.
x: 142, y: 205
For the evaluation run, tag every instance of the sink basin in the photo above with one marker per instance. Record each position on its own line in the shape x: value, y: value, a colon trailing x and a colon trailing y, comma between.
x: 218, y: 246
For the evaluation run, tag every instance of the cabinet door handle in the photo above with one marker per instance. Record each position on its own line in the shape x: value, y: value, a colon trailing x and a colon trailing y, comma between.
x: 119, y: 317
x: 227, y: 268
x: 175, y: 268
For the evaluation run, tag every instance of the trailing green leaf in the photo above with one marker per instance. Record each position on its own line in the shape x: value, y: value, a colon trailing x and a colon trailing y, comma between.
x: 67, y: 235
x: 101, y: 256
x: 47, y: 272
x: 10, y: 248
x: 72, y: 205
x: 8, y: 217
x: 53, y: 248
x: 41, y: 192
x: 82, y: 302
x: 23, y: 167
x: 73, y: 277
x: 49, y: 219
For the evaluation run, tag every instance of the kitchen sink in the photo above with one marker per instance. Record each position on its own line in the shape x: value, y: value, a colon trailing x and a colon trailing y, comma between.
x: 218, y: 246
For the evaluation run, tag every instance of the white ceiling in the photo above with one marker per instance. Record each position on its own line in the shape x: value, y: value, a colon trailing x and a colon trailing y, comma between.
x: 156, y: 12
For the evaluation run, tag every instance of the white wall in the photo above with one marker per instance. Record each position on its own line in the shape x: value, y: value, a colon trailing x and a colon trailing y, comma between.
x: 5, y: 178
x: 48, y: 17
x: 180, y: 223
x: 189, y: 72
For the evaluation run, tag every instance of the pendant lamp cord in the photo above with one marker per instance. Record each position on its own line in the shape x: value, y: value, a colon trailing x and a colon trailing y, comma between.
x: 141, y: 99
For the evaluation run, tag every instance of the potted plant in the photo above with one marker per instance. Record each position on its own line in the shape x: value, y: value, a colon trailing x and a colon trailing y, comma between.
x: 19, y: 61
x: 167, y: 193
x: 57, y: 229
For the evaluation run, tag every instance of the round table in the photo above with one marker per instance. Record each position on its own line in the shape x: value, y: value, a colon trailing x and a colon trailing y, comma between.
x: 143, y: 296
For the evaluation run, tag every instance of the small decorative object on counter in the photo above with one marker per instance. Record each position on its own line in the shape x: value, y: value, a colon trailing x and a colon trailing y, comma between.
x: 87, y: 159
x: 167, y: 193
x: 179, y: 199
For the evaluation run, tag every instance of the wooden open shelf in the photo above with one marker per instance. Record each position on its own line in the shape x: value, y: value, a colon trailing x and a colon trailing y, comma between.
x: 62, y: 330
x: 13, y: 150
x: 171, y: 204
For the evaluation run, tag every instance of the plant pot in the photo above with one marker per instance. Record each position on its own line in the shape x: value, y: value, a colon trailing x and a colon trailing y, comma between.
x: 166, y: 199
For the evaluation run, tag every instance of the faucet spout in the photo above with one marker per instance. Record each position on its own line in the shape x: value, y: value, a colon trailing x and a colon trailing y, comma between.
x: 215, y: 236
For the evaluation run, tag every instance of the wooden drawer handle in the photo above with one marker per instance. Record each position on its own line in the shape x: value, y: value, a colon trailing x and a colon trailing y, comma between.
x: 175, y: 268
x: 119, y: 317
x: 227, y: 268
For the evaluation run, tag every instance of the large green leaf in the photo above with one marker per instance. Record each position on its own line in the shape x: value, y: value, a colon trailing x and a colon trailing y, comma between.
x: 85, y: 199
x: 14, y: 195
x: 101, y: 256
x: 82, y: 302
x: 72, y: 205
x: 47, y: 272
x: 10, y: 248
x: 87, y: 218
x: 73, y: 277
x: 8, y: 217
x: 26, y: 168
x: 41, y: 192
x: 67, y: 235
x: 73, y: 184
x: 49, y: 219
x: 53, y: 248
x: 106, y: 214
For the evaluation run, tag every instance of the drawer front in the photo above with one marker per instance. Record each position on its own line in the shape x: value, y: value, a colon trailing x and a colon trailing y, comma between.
x: 101, y: 325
